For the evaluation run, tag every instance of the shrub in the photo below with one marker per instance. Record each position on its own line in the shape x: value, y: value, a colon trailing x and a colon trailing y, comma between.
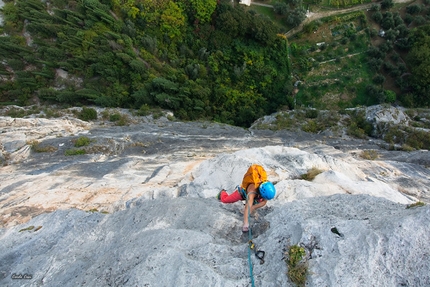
x: 38, y: 148
x: 87, y: 114
x: 311, y: 113
x: 82, y: 141
x: 406, y: 147
x: 16, y: 113
x: 311, y: 174
x: 359, y: 127
x: 123, y: 121
x: 416, y: 204
x: 311, y: 127
x: 71, y: 152
x: 50, y: 113
x: 114, y: 117
x: 143, y: 111
x: 369, y: 154
x: 297, y: 266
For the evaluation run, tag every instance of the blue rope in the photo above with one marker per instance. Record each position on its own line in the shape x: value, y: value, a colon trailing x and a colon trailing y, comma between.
x: 249, y: 246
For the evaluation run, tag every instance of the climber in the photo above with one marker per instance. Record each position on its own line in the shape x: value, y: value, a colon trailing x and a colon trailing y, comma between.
x: 255, y: 187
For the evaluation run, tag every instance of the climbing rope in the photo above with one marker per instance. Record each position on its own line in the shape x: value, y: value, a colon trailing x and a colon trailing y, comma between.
x: 251, y: 246
x: 251, y: 274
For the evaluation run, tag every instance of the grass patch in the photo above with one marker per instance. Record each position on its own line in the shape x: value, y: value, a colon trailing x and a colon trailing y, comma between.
x: 407, y: 137
x: 297, y: 266
x: 369, y: 154
x: 27, y: 229
x: 122, y: 120
x: 270, y: 13
x: 17, y: 113
x: 416, y: 204
x: 73, y: 151
x: 51, y: 113
x: 311, y: 174
x: 406, y: 147
x: 87, y: 114
x: 82, y: 141
x: 343, y: 3
x: 37, y: 147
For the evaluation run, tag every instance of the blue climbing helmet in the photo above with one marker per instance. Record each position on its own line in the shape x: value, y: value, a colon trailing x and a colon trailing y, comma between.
x: 267, y: 190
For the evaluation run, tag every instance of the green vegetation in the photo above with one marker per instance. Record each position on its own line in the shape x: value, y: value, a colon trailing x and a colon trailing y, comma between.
x: 407, y: 137
x: 82, y: 141
x: 416, y: 204
x: 71, y: 152
x: 87, y: 114
x: 27, y: 229
x: 400, y: 61
x: 311, y: 174
x: 369, y: 154
x: 309, y: 120
x: 37, y: 147
x: 211, y: 60
x: 357, y: 124
x: 200, y: 58
x: 297, y: 266
x: 341, y: 3
x: 20, y: 112
x: 328, y: 56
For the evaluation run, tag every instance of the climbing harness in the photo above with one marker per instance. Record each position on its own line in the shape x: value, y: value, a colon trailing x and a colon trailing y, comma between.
x: 252, y: 247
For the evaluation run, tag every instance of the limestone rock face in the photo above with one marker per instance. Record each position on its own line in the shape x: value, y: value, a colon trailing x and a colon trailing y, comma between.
x: 350, y: 240
x: 379, y: 114
x: 140, y: 208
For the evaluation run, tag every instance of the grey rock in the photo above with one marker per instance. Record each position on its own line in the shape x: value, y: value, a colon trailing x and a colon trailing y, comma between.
x: 139, y: 209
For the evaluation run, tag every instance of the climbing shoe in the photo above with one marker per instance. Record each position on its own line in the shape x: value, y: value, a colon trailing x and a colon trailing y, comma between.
x: 219, y: 194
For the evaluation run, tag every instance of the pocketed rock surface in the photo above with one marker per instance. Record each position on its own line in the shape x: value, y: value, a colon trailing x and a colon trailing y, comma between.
x: 139, y: 208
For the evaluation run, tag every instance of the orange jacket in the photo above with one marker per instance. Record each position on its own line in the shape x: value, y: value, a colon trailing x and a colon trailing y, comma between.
x: 255, y: 174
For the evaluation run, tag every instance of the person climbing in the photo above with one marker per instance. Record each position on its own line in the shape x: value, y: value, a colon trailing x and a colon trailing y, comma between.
x: 255, y: 187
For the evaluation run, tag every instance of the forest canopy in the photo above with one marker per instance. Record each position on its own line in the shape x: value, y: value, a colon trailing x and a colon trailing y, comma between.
x: 199, y: 58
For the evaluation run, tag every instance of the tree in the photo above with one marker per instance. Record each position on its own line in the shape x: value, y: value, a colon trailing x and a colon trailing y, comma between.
x: 203, y: 9
x: 413, y: 9
x: 172, y: 20
x: 409, y: 18
x: 375, y: 7
x: 296, y: 17
x: 420, y: 20
x: 281, y: 8
x: 378, y: 79
x: 419, y: 60
x: 387, y: 4
x: 387, y: 21
x: 391, y: 34
x: 377, y: 17
x: 390, y: 96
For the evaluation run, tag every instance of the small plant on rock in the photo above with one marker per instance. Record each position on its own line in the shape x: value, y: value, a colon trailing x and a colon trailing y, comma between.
x: 82, y: 141
x: 297, y: 266
x: 416, y: 204
x: 311, y: 174
x: 114, y: 117
x: 37, y: 147
x: 71, y: 152
x: 88, y: 114
x: 369, y: 154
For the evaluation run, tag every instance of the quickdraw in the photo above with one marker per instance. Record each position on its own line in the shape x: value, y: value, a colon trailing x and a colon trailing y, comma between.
x: 258, y: 253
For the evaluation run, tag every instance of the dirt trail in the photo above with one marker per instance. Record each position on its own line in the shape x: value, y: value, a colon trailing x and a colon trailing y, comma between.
x: 318, y: 15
